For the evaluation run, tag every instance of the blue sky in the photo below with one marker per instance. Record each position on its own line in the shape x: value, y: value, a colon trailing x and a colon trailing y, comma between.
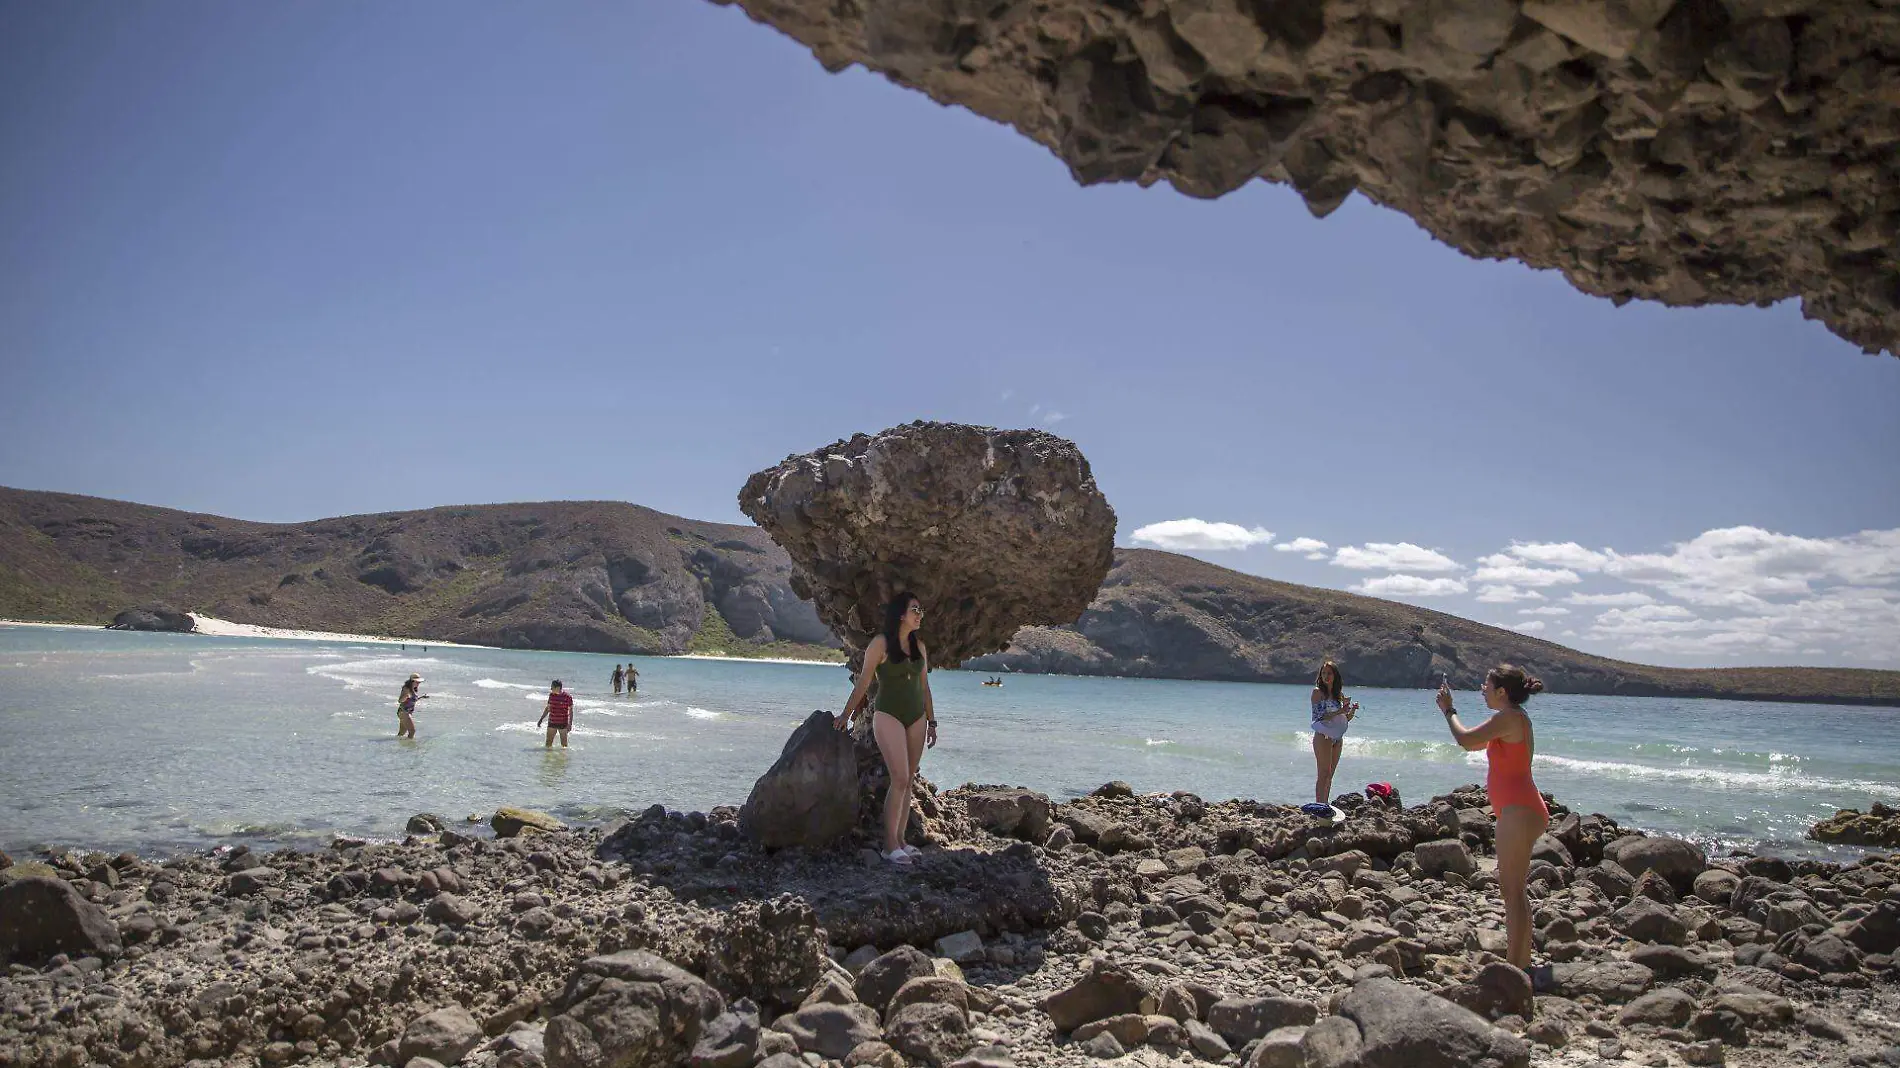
x: 297, y: 260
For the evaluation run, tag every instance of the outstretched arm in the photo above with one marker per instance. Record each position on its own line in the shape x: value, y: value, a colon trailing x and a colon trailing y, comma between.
x: 1498, y: 726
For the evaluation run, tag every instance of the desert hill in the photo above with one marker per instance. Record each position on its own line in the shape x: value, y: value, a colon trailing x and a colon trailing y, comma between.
x: 600, y: 576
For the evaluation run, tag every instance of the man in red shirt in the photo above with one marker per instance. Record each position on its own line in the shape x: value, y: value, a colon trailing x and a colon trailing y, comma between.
x: 559, y: 713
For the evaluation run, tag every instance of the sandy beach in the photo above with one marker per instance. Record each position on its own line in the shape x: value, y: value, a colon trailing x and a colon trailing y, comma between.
x: 224, y: 628
x: 756, y: 659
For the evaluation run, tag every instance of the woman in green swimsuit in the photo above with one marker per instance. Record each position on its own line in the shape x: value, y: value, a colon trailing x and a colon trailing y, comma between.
x: 905, y: 721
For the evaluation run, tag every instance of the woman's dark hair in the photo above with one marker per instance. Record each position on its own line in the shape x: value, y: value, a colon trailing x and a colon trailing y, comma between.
x: 893, y: 616
x: 1338, y: 691
x: 1517, y: 684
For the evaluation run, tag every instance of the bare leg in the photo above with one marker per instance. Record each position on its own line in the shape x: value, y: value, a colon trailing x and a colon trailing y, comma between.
x: 406, y: 727
x: 563, y: 739
x: 1326, y: 760
x: 1517, y: 829
x: 893, y: 742
x: 550, y: 741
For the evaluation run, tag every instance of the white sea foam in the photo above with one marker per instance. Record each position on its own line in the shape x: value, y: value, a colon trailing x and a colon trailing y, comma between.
x: 1157, y: 741
x: 1786, y: 781
x: 701, y: 713
x: 497, y: 684
x: 578, y: 732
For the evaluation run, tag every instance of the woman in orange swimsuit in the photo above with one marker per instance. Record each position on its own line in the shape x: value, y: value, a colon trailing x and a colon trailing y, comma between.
x: 1508, y: 741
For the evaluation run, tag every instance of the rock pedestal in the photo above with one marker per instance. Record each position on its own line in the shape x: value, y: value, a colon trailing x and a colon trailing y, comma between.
x: 809, y: 797
x: 993, y: 530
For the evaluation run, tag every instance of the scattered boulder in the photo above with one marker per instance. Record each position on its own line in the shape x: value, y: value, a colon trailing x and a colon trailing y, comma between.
x: 884, y: 976
x: 1716, y: 885
x: 629, y: 1008
x: 513, y: 822
x: 1663, y: 1007
x: 1879, y: 930
x: 1612, y: 982
x: 1448, y: 856
x: 1879, y: 826
x: 1240, y: 1020
x: 1009, y: 811
x: 830, y: 1030
x: 809, y: 796
x: 1676, y: 860
x: 1018, y: 532
x: 1104, y: 990
x: 425, y: 823
x: 444, y: 1036
x: 41, y: 916
x: 252, y: 881
x: 1647, y: 920
x: 1399, y: 1026
x: 931, y: 1032
x: 154, y: 617
x: 1499, y: 989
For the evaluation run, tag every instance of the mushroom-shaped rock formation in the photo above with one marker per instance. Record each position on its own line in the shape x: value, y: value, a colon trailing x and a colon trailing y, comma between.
x: 993, y: 530
x: 1686, y: 151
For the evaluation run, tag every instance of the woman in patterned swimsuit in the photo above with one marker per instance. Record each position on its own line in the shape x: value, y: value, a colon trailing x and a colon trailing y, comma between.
x: 905, y: 721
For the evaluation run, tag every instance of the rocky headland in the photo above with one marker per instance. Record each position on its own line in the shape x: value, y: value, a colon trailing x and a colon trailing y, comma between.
x: 1686, y: 151
x: 1138, y: 929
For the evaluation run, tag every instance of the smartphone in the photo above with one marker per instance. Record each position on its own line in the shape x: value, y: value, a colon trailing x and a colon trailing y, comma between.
x: 1444, y: 681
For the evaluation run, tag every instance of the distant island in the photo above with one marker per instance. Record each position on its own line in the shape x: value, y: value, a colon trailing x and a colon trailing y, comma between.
x: 610, y: 577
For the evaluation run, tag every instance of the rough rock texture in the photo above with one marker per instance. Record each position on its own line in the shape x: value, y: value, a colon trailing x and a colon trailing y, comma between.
x: 1879, y: 826
x: 993, y: 530
x: 1691, y: 152
x: 809, y: 796
x: 1180, y: 929
x: 41, y: 916
x: 154, y: 617
x: 1403, y: 1027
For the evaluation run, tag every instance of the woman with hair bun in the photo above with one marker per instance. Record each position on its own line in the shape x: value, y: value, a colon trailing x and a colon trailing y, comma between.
x: 1509, y: 742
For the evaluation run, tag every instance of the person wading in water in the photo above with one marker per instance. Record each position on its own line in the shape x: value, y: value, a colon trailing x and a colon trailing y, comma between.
x: 905, y: 722
x: 1509, y: 743
x: 406, y: 706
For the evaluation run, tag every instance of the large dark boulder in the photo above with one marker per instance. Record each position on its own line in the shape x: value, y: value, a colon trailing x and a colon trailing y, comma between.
x: 1009, y: 811
x: 154, y: 617
x: 630, y: 1010
x: 992, y: 529
x: 1672, y: 858
x: 41, y: 916
x: 809, y: 796
x: 1404, y: 1027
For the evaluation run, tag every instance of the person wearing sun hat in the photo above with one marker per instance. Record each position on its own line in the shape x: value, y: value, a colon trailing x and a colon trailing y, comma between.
x: 406, y: 706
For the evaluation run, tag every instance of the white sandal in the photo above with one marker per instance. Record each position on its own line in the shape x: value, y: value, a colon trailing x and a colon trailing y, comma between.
x: 898, y: 857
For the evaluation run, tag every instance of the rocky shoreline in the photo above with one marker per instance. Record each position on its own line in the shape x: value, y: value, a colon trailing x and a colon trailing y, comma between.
x: 1136, y: 929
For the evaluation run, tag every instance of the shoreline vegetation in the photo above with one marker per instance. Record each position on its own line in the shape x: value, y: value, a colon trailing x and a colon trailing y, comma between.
x: 1030, y: 932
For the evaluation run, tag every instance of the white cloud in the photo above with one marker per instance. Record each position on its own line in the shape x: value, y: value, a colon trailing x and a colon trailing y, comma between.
x: 1052, y: 417
x: 1516, y: 574
x: 1731, y: 565
x: 1300, y: 545
x: 1529, y: 627
x: 1507, y: 594
x: 1184, y: 534
x: 1410, y: 586
x: 1008, y: 393
x: 1393, y: 556
x: 1544, y: 610
x: 1558, y: 554
x: 1035, y: 410
x: 1611, y: 600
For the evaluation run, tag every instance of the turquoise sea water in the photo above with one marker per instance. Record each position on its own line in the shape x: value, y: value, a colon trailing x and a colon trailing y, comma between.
x: 157, y: 742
